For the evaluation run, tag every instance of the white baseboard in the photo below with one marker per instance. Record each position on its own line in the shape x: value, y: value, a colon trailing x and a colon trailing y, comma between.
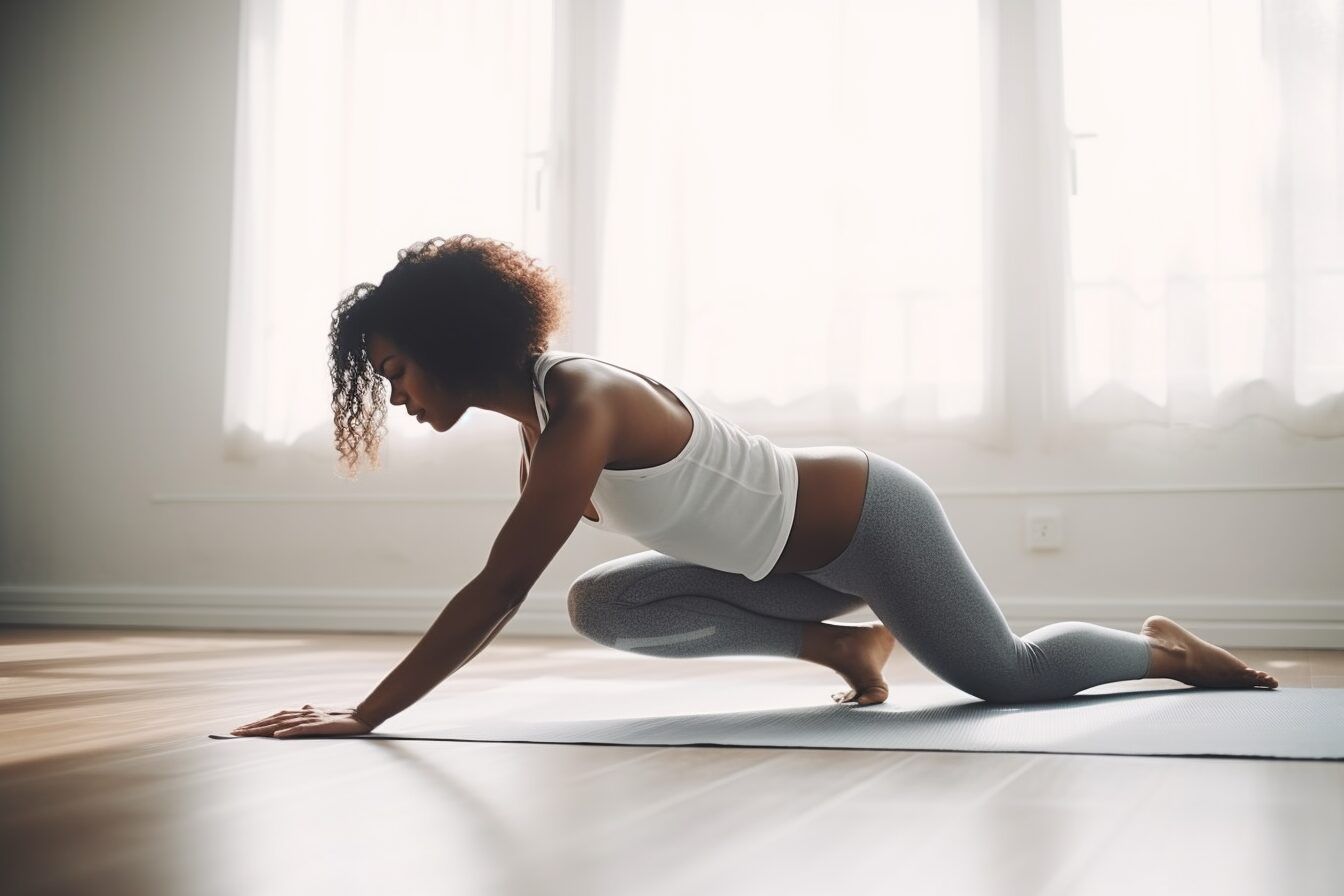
x: 1231, y: 622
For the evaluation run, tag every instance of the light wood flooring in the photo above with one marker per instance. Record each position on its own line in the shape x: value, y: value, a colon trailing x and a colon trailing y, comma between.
x: 109, y: 785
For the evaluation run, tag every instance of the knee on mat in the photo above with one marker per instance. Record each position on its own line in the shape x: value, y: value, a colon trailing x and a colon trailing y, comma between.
x: 1015, y: 689
x: 1004, y: 684
x: 1002, y: 692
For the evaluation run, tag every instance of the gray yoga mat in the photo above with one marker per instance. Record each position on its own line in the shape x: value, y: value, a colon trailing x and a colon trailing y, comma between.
x: 1287, y: 723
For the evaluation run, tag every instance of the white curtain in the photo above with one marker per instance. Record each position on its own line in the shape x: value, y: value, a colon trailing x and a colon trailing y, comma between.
x: 363, y: 127
x: 796, y: 203
x: 796, y: 224
x: 1206, y: 219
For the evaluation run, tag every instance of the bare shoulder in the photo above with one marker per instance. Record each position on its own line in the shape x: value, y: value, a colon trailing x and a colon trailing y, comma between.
x: 648, y: 424
x: 583, y: 380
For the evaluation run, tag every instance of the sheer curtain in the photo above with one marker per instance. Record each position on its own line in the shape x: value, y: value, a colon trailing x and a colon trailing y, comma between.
x: 796, y: 229
x: 796, y: 202
x: 363, y: 127
x: 1206, y: 213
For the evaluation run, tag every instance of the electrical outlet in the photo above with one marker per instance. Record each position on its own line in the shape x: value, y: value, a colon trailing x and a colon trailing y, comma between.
x: 1045, y: 529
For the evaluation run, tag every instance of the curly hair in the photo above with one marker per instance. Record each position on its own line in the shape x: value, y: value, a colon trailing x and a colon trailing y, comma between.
x: 469, y: 310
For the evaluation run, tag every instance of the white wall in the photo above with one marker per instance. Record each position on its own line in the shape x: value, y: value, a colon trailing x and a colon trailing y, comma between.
x: 117, y: 174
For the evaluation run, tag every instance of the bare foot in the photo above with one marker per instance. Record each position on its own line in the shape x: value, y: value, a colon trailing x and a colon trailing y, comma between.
x: 1179, y: 654
x: 858, y: 653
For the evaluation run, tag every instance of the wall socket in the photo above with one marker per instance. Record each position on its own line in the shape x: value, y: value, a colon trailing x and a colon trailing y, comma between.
x: 1045, y: 529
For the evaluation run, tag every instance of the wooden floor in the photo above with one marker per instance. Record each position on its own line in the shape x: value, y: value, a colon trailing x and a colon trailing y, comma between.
x: 110, y: 785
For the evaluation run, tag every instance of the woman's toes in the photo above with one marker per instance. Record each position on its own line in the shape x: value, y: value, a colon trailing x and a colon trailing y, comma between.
x: 872, y: 694
x: 1256, y: 678
x: 868, y: 696
x: 1266, y: 679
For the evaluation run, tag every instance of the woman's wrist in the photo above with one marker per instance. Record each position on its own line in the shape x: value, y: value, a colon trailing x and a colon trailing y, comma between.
x: 355, y: 714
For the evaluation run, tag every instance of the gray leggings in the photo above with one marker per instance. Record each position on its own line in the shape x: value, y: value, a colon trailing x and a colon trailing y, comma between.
x: 904, y: 562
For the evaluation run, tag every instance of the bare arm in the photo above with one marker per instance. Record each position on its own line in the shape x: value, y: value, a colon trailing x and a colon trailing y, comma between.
x: 470, y: 621
x: 566, y: 462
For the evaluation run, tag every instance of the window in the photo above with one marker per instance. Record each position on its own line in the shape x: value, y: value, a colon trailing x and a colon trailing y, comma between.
x: 363, y: 128
x: 1206, y: 215
x: 791, y: 209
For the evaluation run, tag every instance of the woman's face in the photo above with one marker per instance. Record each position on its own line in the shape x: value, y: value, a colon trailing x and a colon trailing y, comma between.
x: 413, y: 387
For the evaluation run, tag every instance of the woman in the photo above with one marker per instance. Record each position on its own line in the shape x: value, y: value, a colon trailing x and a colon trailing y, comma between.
x: 753, y: 546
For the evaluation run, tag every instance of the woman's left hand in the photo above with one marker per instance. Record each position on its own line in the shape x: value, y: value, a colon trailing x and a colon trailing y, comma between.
x: 302, y: 722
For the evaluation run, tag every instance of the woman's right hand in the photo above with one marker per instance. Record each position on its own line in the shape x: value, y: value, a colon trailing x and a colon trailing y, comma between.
x: 304, y: 722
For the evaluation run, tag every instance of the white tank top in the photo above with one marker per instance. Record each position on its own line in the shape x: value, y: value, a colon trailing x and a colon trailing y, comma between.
x: 726, y: 501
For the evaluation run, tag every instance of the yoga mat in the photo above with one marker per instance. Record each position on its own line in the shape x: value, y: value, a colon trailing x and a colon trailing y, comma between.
x: 1286, y: 723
